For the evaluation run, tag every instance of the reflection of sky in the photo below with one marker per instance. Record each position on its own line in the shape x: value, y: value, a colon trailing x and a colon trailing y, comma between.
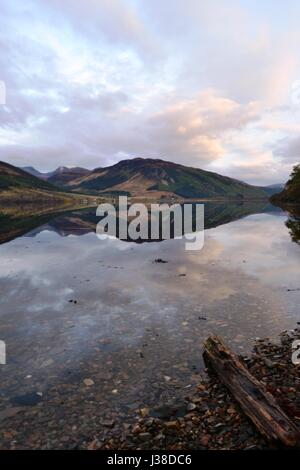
x: 263, y: 242
x: 237, y: 282
x: 55, y: 268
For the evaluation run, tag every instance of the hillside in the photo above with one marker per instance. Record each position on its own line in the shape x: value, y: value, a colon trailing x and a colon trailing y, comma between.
x: 15, y: 178
x: 148, y: 177
x: 17, y: 185
x: 291, y: 192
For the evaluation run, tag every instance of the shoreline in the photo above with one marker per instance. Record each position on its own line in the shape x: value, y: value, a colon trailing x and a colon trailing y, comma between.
x: 210, y: 418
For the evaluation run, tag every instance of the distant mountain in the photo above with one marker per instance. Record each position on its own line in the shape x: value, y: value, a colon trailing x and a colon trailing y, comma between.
x: 273, y: 188
x: 149, y: 177
x: 64, y: 176
x: 291, y: 192
x: 59, y: 177
x: 32, y: 171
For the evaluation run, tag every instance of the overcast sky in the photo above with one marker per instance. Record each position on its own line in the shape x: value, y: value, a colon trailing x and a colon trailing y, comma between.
x: 213, y: 84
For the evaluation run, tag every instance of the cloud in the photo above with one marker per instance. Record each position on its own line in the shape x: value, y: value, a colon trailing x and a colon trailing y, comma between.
x: 191, y: 131
x: 248, y: 51
x: 186, y: 131
x: 116, y: 21
x: 200, y: 83
x: 289, y: 149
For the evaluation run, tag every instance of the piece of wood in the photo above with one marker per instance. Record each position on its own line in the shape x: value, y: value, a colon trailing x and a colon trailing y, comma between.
x: 256, y: 402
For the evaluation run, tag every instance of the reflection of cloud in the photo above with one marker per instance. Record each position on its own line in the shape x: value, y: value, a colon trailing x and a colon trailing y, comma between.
x: 258, y: 246
x: 122, y: 295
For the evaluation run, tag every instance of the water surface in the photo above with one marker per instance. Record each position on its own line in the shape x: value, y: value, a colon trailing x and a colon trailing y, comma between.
x: 73, y: 307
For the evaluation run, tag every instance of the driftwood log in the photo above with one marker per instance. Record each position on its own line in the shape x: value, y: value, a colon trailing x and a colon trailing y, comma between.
x: 256, y: 402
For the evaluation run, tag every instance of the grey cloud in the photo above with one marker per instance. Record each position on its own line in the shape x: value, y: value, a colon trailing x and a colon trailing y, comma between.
x: 92, y: 82
x: 117, y: 21
x: 289, y: 149
x: 188, y: 131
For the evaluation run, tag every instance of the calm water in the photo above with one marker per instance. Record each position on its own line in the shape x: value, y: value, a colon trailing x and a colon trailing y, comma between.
x: 136, y: 327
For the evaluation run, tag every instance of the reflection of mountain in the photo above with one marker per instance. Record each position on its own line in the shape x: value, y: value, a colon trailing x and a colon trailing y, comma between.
x: 64, y: 226
x: 83, y: 221
x: 13, y: 226
x: 220, y: 214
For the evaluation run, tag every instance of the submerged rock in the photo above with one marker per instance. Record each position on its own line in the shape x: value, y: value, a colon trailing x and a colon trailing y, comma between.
x: 88, y: 382
x: 29, y: 399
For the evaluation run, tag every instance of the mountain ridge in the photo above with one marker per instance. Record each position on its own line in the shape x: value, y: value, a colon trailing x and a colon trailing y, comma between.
x: 14, y: 177
x: 18, y: 186
x: 145, y: 177
x: 60, y: 176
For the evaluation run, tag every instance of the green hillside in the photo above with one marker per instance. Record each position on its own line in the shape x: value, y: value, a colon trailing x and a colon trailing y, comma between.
x: 145, y: 176
x: 15, y: 178
x: 19, y: 188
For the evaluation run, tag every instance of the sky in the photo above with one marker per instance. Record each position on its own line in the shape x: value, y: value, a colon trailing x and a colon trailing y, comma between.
x: 212, y: 84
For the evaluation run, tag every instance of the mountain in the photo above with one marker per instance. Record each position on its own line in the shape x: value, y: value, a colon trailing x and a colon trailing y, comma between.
x: 276, y: 186
x: 12, y: 177
x: 291, y: 192
x: 62, y: 176
x: 156, y: 178
x: 32, y: 171
x: 273, y: 188
x: 16, y: 185
x: 59, y: 177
